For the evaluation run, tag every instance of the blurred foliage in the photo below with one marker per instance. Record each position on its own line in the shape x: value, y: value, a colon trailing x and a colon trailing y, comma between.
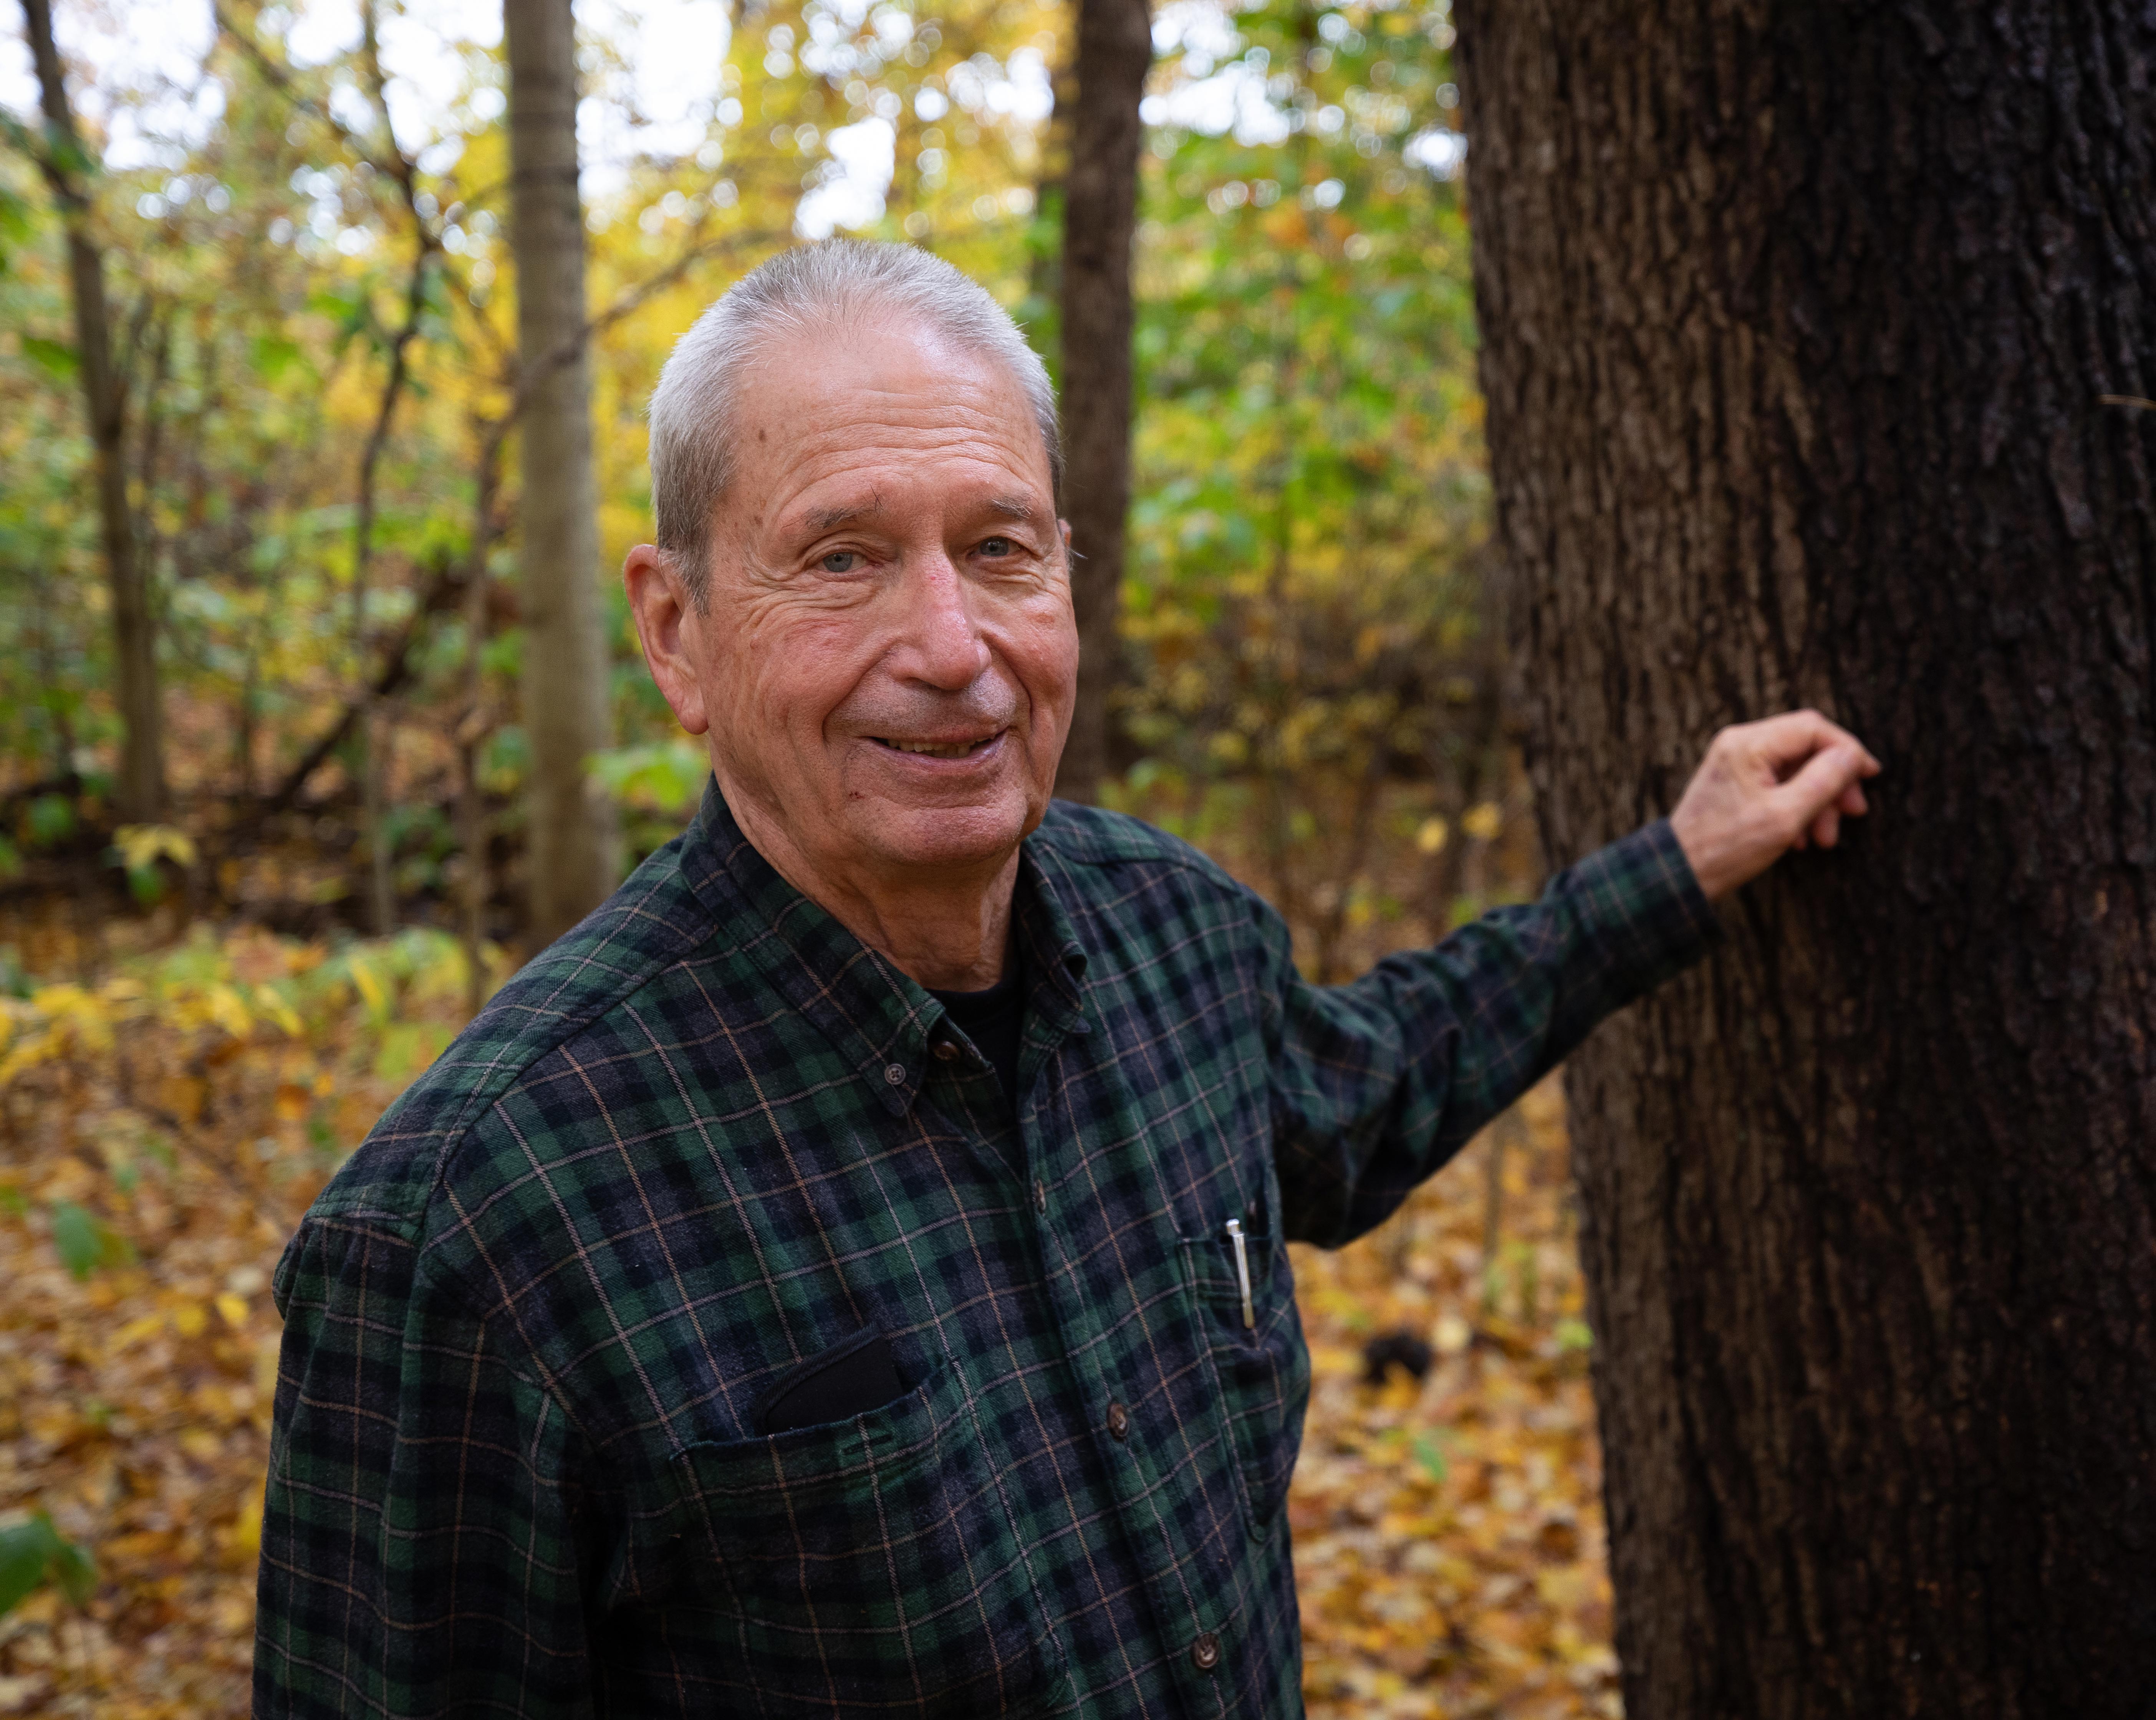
x: 1309, y: 663
x: 1306, y: 611
x: 34, y: 1553
x: 191, y: 1038
x: 161, y: 1130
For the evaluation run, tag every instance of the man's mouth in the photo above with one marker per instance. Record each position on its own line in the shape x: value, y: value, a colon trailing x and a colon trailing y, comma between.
x: 938, y: 749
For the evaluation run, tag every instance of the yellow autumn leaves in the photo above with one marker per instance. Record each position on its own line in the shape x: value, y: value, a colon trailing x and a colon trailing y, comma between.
x: 1482, y: 824
x: 1450, y: 1552
x: 1449, y: 1538
x: 161, y: 1128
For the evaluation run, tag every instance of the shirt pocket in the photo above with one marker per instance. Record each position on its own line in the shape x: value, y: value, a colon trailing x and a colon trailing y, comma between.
x: 1263, y: 1367
x: 870, y: 1566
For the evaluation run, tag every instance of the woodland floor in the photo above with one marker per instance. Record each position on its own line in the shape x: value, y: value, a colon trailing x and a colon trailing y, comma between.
x: 166, y: 1123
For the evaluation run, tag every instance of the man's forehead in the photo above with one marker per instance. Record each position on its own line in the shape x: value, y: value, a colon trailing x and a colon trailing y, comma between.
x: 886, y: 365
x: 1018, y: 509
x: 837, y: 426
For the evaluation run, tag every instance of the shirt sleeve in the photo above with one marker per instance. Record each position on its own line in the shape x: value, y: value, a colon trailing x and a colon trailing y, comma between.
x: 1377, y: 1083
x: 420, y: 1529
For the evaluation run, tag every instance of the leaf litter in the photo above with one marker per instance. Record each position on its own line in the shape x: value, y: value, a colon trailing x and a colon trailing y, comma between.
x: 161, y: 1131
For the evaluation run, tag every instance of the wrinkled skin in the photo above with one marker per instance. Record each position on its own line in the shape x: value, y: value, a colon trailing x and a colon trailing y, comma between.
x: 884, y: 660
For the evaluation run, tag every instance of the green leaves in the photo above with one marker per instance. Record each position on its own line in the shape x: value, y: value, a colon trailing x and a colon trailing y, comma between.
x: 656, y: 785
x: 15, y: 224
x: 33, y: 1552
x: 273, y: 355
x: 51, y: 820
x: 1309, y: 519
x: 86, y: 1242
x: 1431, y: 1456
x: 665, y: 776
x: 55, y: 358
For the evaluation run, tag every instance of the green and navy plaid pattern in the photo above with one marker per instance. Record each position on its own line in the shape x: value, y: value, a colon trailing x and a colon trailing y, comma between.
x: 709, y: 1135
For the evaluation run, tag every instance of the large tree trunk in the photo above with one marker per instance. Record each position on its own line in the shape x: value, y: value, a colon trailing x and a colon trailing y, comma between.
x: 1099, y: 214
x: 1798, y: 322
x: 574, y: 842
x: 140, y: 790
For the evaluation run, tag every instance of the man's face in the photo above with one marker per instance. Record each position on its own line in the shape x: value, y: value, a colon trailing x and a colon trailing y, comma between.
x: 887, y: 657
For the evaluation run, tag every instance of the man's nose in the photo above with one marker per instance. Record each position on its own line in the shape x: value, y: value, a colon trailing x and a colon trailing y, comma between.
x: 941, y: 643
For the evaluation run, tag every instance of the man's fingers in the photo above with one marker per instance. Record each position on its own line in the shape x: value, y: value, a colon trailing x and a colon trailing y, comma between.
x: 1795, y: 736
x: 1826, y: 828
x: 1814, y: 792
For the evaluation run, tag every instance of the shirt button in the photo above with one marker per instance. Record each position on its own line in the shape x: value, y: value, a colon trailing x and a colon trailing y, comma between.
x: 1205, y: 1653
x: 946, y: 1049
x: 1039, y: 1196
x: 1119, y: 1422
x: 895, y: 1073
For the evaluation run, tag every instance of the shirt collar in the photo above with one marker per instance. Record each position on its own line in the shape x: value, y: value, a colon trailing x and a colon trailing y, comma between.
x: 880, y: 1020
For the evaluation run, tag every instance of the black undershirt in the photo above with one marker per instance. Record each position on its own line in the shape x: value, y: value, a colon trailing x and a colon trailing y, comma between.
x: 994, y: 1020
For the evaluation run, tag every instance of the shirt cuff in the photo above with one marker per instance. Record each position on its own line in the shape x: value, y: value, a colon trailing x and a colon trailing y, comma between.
x: 1640, y: 900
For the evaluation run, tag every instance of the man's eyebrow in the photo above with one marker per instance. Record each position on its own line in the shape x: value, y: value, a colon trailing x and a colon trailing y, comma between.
x: 1016, y: 509
x: 831, y: 519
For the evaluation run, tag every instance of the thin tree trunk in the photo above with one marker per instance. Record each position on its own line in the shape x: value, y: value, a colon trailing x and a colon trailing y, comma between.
x: 374, y: 730
x: 1797, y: 326
x: 575, y: 843
x: 473, y: 731
x: 140, y: 789
x: 1099, y: 216
x: 1509, y: 1130
x: 371, y: 730
x: 376, y: 735
x: 242, y: 741
x: 1044, y: 240
x: 1362, y: 827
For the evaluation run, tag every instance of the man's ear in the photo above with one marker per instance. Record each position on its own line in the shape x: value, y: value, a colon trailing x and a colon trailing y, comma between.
x: 667, y: 623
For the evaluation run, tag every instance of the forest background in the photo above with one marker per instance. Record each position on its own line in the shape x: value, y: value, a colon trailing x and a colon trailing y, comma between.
x: 303, y: 213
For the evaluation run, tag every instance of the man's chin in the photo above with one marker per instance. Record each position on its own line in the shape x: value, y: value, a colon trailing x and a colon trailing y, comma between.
x: 926, y: 837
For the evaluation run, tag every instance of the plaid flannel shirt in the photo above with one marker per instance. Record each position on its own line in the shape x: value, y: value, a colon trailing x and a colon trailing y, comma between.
x: 709, y: 1135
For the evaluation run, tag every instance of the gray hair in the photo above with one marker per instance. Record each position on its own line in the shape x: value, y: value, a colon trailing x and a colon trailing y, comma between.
x: 835, y: 282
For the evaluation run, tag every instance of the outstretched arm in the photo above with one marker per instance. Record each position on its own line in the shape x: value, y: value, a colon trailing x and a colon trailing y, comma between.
x: 1377, y: 1083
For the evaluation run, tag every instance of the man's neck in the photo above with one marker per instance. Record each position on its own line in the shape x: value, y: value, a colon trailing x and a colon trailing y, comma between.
x: 947, y: 931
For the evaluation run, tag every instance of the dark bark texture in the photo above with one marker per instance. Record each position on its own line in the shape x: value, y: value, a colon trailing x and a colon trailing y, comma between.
x: 575, y: 840
x: 140, y: 785
x: 1099, y: 214
x: 1799, y: 321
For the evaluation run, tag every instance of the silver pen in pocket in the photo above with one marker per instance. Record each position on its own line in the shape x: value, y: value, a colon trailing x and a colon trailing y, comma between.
x: 1242, y: 1271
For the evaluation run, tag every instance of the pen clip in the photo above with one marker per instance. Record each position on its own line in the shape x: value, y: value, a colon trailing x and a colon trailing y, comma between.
x: 1242, y: 1271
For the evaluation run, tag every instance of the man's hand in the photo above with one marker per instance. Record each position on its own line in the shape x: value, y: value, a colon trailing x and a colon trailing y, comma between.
x: 1765, y: 788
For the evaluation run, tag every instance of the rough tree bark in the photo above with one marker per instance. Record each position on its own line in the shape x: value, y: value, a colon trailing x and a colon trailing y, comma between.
x: 140, y: 789
x: 574, y: 842
x: 1798, y: 324
x: 1100, y: 215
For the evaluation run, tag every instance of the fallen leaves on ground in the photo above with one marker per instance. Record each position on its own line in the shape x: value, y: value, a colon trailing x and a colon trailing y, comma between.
x: 1448, y: 1544
x: 161, y: 1131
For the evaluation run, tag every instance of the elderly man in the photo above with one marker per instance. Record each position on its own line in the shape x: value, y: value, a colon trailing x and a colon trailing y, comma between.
x: 846, y: 1275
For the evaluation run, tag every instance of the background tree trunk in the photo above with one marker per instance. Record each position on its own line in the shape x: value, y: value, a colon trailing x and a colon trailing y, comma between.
x: 575, y: 841
x: 1099, y: 214
x: 1797, y: 323
x: 140, y: 789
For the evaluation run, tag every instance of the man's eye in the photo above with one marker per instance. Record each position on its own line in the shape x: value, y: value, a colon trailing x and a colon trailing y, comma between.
x: 995, y: 547
x: 840, y: 561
